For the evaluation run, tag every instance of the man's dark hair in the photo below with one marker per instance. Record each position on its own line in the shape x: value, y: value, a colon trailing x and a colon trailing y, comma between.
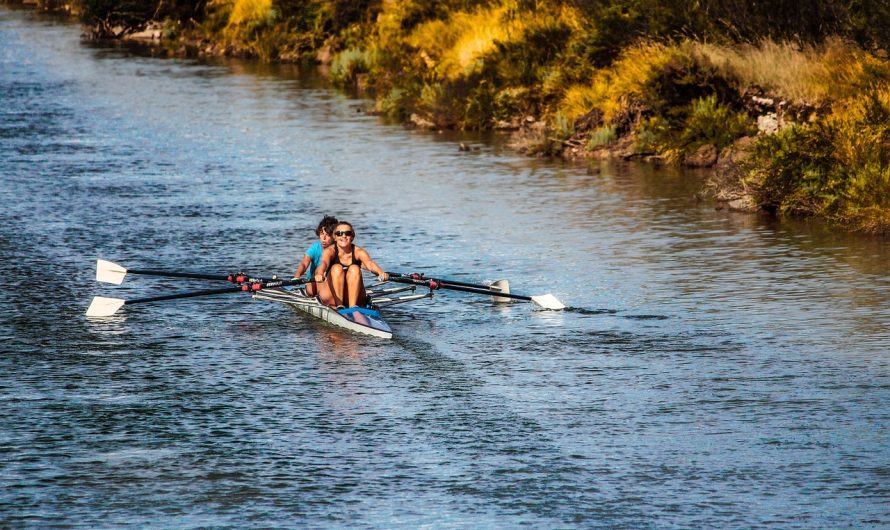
x: 327, y: 224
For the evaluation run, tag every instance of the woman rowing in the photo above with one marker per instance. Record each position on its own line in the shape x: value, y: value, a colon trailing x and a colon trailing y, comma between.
x: 341, y: 269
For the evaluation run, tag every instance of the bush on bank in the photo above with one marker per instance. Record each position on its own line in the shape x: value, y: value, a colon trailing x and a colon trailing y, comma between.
x: 837, y: 167
x: 808, y: 80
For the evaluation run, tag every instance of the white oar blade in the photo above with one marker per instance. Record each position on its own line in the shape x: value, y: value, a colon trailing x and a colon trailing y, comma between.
x: 109, y: 272
x: 104, y: 307
x: 501, y: 286
x: 548, y: 301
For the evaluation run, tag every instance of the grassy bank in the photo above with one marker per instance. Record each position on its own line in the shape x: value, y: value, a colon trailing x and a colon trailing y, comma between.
x: 790, y: 104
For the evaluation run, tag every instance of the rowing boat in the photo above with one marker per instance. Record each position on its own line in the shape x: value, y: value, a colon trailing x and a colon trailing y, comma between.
x: 364, y: 320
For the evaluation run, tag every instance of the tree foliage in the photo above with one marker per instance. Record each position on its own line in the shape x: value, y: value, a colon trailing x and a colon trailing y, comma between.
x: 867, y: 22
x: 135, y: 13
x: 111, y: 12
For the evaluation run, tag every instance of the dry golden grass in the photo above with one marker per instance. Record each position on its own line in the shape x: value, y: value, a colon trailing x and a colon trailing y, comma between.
x: 236, y: 23
x: 248, y: 11
x: 805, y: 73
x: 612, y: 89
x: 455, y: 46
x: 814, y: 75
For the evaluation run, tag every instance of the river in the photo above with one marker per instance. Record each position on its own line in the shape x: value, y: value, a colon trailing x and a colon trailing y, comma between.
x: 713, y: 369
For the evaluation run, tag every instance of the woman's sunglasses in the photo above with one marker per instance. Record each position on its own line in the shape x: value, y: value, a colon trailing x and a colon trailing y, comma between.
x: 349, y: 233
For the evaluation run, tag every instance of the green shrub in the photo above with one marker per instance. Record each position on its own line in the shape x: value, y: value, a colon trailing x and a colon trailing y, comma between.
x: 563, y: 126
x: 395, y: 104
x: 512, y: 102
x: 652, y: 136
x: 302, y: 17
x: 787, y: 171
x: 479, y: 109
x: 837, y: 167
x: 601, y: 137
x: 217, y: 18
x: 709, y: 122
x: 348, y: 64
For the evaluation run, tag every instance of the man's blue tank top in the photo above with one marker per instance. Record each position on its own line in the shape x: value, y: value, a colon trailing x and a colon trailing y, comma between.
x: 314, y: 252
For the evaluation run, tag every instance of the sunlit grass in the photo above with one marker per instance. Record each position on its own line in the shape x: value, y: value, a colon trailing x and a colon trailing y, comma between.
x: 807, y: 74
x: 246, y: 25
x: 796, y: 72
x: 249, y: 11
x: 455, y: 45
x: 612, y: 89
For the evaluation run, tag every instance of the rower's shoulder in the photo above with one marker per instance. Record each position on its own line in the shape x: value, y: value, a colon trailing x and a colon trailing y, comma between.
x: 314, y: 248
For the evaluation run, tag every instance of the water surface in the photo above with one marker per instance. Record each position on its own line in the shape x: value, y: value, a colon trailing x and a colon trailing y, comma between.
x: 714, y: 369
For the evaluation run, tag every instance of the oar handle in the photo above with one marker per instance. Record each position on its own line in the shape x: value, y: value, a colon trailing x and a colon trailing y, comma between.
x: 435, y: 283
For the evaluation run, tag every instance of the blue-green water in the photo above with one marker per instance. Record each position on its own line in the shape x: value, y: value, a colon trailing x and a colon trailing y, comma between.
x: 714, y: 369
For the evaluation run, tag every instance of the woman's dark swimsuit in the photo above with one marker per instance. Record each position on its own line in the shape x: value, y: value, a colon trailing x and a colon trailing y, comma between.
x: 354, y: 261
x: 345, y: 267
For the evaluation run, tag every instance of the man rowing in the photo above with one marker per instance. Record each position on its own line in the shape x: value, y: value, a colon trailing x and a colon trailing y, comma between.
x: 340, y: 270
x: 312, y: 257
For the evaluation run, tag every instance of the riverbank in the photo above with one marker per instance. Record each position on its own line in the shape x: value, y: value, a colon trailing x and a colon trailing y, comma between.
x: 791, y: 127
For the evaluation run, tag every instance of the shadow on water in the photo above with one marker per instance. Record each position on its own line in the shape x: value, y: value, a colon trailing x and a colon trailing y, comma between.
x: 593, y: 312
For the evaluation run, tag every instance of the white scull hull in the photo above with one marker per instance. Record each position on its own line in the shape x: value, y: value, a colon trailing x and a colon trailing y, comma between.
x: 359, y: 320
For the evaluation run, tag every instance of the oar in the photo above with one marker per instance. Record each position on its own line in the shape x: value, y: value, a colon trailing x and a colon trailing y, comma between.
x: 109, y: 272
x: 496, y: 286
x: 502, y: 287
x: 104, y: 307
x: 547, y: 301
x: 499, y: 286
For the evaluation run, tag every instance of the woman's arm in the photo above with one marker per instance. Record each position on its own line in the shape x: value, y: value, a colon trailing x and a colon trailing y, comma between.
x: 370, y: 265
x: 322, y: 269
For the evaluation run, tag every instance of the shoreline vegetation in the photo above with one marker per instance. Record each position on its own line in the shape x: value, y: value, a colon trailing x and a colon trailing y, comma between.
x: 788, y: 102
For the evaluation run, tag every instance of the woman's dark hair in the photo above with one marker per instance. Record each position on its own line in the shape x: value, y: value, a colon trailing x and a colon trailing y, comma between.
x: 347, y: 223
x: 327, y: 224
